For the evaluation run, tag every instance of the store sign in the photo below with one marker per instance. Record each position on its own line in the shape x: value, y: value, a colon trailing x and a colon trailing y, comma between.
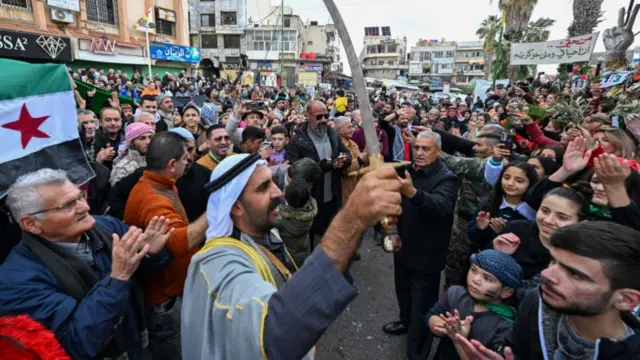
x: 73, y: 5
x: 265, y: 65
x: 34, y: 46
x: 103, y: 46
x: 172, y: 52
x: 231, y: 66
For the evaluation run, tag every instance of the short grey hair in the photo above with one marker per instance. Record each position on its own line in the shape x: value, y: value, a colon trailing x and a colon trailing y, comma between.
x: 431, y: 135
x: 354, y: 112
x: 142, y: 114
x: 81, y: 112
x: 493, y: 129
x: 434, y: 111
x: 23, y: 197
x: 341, y: 121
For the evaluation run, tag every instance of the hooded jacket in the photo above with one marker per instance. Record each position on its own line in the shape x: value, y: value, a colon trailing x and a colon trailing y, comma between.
x: 294, y: 225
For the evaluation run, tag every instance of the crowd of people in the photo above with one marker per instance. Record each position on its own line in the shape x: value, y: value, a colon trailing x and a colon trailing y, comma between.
x: 197, y: 217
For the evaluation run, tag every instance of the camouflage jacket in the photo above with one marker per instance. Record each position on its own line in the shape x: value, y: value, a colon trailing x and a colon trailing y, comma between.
x: 474, y: 187
x: 127, y: 165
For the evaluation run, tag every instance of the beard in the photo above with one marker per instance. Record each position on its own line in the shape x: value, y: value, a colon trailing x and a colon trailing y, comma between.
x: 572, y: 308
x: 320, y: 129
x: 260, y: 221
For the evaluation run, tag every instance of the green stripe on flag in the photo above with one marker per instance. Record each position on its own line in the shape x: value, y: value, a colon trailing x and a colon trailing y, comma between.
x: 100, y: 98
x: 21, y: 79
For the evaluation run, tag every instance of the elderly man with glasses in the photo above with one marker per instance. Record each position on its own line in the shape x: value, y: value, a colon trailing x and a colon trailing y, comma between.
x: 74, y: 272
x: 316, y: 140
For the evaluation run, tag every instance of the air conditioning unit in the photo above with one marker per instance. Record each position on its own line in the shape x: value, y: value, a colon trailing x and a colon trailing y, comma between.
x: 61, y: 15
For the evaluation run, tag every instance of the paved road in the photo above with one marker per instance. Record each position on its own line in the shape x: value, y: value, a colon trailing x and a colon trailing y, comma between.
x: 357, y: 334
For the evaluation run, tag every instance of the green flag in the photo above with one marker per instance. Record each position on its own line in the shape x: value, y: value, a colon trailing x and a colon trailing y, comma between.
x: 100, y: 97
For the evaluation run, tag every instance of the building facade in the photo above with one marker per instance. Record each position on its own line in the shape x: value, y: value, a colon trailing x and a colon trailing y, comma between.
x: 432, y: 62
x: 384, y: 57
x: 469, y: 63
x: 218, y: 29
x: 93, y: 33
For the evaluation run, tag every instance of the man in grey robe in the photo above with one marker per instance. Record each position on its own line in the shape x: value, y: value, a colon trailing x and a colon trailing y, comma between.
x: 236, y: 304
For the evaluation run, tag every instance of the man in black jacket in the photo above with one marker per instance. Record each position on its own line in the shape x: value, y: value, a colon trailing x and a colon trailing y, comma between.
x: 583, y: 307
x: 429, y: 195
x: 314, y: 139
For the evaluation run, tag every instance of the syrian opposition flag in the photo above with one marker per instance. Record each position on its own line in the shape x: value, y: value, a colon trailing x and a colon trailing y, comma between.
x: 145, y: 23
x: 38, y: 123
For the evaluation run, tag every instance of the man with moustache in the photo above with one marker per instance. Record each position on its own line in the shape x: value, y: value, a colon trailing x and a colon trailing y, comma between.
x: 315, y: 140
x: 583, y: 309
x: 429, y: 195
x: 109, y: 136
x: 219, y: 145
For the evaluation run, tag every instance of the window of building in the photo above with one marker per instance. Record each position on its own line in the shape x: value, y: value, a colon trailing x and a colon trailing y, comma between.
x: 209, y: 41
x: 390, y: 62
x: 380, y: 62
x: 438, y: 54
x: 23, y: 4
x: 257, y: 40
x: 165, y: 22
x: 391, y: 48
x: 371, y: 49
x: 449, y: 54
x: 232, y: 41
x: 100, y: 11
x: 228, y: 17
x: 309, y: 42
x: 208, y: 20
x: 287, y: 21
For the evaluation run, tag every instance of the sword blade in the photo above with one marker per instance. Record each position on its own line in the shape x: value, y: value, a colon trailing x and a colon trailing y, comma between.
x: 370, y: 135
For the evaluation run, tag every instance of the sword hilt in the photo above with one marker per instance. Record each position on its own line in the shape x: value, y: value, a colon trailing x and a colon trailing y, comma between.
x: 390, y: 238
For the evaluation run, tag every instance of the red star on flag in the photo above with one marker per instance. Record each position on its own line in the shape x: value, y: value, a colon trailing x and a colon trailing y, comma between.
x: 28, y: 126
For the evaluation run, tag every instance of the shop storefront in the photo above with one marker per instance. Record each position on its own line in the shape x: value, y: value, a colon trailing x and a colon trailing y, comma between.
x: 309, y: 75
x: 105, y: 53
x: 173, y: 58
x: 37, y: 48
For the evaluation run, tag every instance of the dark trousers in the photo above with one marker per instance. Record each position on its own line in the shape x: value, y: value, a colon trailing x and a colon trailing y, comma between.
x: 417, y: 293
x: 326, y: 212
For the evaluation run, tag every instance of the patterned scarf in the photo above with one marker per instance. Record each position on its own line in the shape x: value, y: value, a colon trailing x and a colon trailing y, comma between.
x: 596, y: 213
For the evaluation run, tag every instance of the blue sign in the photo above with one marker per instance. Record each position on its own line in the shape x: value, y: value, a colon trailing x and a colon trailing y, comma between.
x: 435, y: 81
x: 265, y: 65
x: 171, y: 52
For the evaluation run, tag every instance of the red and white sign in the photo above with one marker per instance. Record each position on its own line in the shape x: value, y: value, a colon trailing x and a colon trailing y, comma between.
x: 103, y: 46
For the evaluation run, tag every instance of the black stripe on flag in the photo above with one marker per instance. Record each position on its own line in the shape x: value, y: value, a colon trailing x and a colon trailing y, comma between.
x: 68, y: 156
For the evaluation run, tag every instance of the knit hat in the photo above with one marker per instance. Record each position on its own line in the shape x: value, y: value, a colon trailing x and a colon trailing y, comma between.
x: 161, y: 97
x: 135, y: 130
x: 499, y: 264
x: 184, y: 133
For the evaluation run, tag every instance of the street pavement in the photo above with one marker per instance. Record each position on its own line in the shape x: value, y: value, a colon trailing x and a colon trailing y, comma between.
x: 357, y: 333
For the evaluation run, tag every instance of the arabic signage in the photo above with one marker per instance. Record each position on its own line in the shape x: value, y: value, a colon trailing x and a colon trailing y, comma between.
x: 73, y: 5
x: 171, y: 52
x: 569, y: 50
x: 265, y: 65
x: 16, y: 44
x: 613, y: 78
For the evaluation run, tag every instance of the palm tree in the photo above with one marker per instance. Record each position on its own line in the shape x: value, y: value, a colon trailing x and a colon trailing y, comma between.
x: 517, y: 14
x: 587, y: 14
x: 488, y: 31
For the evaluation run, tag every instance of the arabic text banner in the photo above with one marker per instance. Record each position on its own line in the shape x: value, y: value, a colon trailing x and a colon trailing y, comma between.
x: 172, y: 52
x: 563, y: 51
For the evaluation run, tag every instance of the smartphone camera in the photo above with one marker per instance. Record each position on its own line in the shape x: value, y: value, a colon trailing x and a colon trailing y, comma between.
x: 266, y: 144
x: 507, y: 140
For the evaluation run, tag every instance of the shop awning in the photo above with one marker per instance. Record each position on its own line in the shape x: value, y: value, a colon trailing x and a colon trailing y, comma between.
x: 111, y: 59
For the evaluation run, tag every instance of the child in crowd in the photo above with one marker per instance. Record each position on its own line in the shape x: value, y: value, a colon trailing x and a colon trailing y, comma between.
x: 279, y: 143
x: 296, y: 215
x: 480, y: 311
x: 341, y: 103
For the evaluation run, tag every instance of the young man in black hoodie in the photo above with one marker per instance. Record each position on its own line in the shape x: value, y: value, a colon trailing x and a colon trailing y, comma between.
x: 583, y: 307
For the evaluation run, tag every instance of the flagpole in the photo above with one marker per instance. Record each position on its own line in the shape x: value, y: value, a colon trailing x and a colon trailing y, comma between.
x: 148, y: 54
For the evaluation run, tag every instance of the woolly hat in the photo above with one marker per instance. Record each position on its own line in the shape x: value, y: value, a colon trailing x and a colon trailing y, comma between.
x: 135, y: 130
x: 161, y: 97
x: 501, y: 265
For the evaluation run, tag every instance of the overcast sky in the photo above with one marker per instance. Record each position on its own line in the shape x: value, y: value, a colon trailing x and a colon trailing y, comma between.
x: 453, y: 19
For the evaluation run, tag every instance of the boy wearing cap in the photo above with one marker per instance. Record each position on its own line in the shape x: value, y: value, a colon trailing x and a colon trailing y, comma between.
x: 137, y: 138
x: 480, y: 311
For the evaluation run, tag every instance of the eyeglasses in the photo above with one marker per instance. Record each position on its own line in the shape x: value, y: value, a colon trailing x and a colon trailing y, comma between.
x: 67, y: 206
x: 220, y: 138
x: 321, y: 116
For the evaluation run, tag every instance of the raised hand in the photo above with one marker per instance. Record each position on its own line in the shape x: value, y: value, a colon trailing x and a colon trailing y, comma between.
x: 266, y: 153
x: 610, y: 171
x: 499, y: 152
x: 476, y: 351
x: 576, y: 157
x: 157, y: 234
x: 454, y: 325
x: 482, y: 220
x: 376, y: 196
x: 507, y: 243
x: 408, y: 190
x: 127, y: 253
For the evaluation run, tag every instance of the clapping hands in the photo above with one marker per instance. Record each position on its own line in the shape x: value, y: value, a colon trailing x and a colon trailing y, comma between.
x: 453, y: 325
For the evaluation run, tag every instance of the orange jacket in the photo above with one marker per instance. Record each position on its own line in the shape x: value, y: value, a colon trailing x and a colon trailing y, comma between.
x: 156, y: 195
